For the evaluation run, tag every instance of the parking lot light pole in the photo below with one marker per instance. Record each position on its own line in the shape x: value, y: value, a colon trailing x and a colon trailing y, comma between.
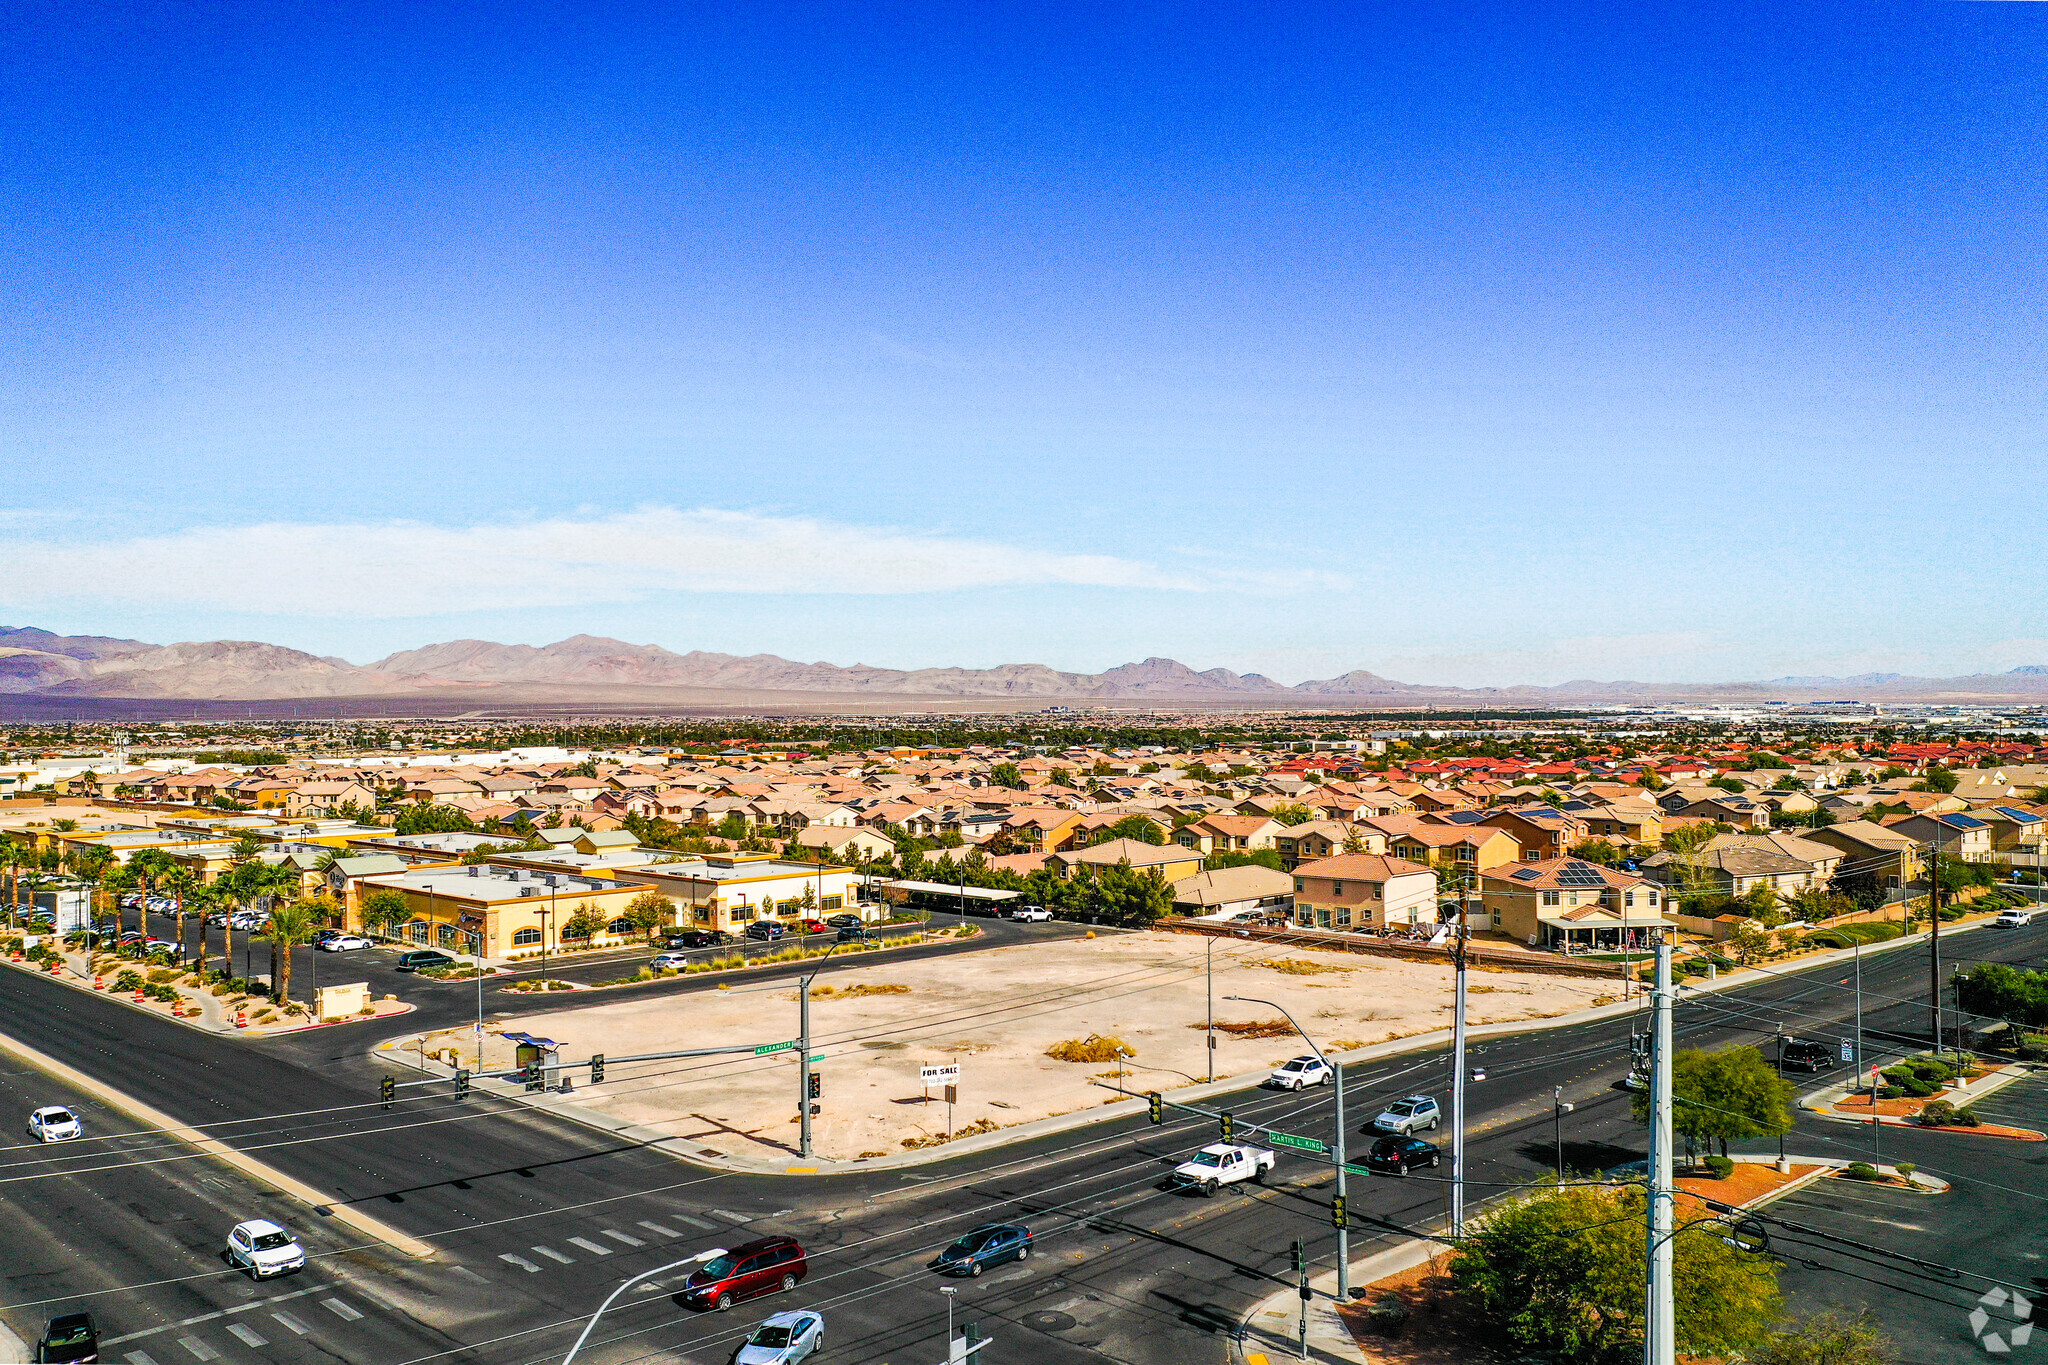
x: 1558, y: 1109
x: 1343, y: 1235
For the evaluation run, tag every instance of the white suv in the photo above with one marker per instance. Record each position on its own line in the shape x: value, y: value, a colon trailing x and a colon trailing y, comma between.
x: 1409, y: 1115
x: 264, y: 1248
x: 1300, y: 1072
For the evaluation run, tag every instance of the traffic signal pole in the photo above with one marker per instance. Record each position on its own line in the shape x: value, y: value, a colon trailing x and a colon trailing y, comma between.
x: 1660, y: 1329
x: 803, y: 1069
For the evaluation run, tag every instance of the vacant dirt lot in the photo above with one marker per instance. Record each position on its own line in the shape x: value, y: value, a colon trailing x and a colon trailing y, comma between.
x: 995, y: 1013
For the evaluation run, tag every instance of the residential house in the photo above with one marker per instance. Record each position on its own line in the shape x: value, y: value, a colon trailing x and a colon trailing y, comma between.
x: 1173, y: 861
x: 1951, y: 833
x: 317, y: 798
x: 1731, y: 868
x: 1229, y: 833
x: 1889, y: 854
x: 1568, y: 901
x: 1234, y: 893
x: 1364, y: 891
x: 1456, y: 851
x: 1313, y: 839
x: 1541, y: 832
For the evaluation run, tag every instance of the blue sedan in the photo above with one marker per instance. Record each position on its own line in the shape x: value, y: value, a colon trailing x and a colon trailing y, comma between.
x: 989, y: 1244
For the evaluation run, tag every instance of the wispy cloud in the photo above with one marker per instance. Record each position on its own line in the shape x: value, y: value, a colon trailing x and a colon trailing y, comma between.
x: 398, y: 568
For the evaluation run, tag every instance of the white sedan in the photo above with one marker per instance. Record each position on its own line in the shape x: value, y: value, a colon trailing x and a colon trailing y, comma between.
x: 342, y: 943
x: 1300, y: 1072
x: 54, y: 1124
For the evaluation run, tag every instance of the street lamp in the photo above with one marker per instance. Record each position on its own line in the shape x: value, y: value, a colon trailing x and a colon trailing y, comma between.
x: 624, y: 1285
x: 1343, y: 1235
x: 949, y: 1291
x: 1559, y: 1107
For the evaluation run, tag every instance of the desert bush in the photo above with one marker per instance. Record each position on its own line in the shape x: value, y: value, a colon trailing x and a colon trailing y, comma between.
x: 855, y: 992
x: 1861, y: 1170
x: 1301, y: 966
x: 1254, y: 1028
x: 1094, y: 1048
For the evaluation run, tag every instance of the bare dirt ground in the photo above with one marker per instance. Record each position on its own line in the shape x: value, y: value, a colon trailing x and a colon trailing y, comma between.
x: 995, y: 1013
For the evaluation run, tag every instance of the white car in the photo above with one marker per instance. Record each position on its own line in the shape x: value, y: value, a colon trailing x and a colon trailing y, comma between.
x: 342, y: 943
x: 1300, y: 1072
x: 2015, y: 919
x: 54, y: 1124
x: 1410, y: 1115
x: 670, y: 962
x: 1031, y: 914
x: 1223, y: 1163
x: 264, y: 1249
x: 784, y: 1339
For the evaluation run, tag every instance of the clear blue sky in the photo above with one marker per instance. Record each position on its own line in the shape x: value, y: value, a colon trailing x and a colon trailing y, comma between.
x: 1465, y: 343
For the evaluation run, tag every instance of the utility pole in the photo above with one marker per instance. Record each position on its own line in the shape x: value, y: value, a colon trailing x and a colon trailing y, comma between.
x: 1458, y: 1087
x: 1660, y: 1334
x: 1558, y: 1109
x: 1934, y: 935
x: 803, y: 1074
x: 1211, y: 955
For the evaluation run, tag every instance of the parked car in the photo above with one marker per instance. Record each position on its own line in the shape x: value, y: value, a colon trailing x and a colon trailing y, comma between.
x: 669, y: 962
x: 858, y: 935
x: 758, y: 1267
x: 2014, y: 919
x: 812, y: 926
x: 1223, y: 1163
x: 1409, y: 1115
x: 158, y: 945
x: 54, y: 1123
x: 1804, y: 1054
x: 1301, y: 1071
x: 1031, y: 914
x: 1400, y: 1155
x: 697, y: 938
x: 783, y: 1339
x: 423, y: 957
x: 766, y: 930
x: 846, y: 921
x: 343, y: 943
x: 71, y: 1337
x: 990, y: 1244
x: 264, y: 1249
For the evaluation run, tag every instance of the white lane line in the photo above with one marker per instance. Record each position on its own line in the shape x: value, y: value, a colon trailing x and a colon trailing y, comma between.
x: 199, y: 1348
x: 138, y: 1358
x: 627, y: 1238
x: 595, y: 1248
x: 340, y: 1309
x: 694, y: 1222
x: 248, y: 1335
x: 210, y: 1317
x: 554, y: 1255
x: 292, y: 1324
x: 520, y: 1261
x: 658, y: 1230
x: 727, y: 1213
x: 466, y: 1273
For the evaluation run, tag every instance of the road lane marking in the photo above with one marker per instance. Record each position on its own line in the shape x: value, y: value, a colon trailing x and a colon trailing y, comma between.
x: 292, y: 1324
x: 247, y: 1335
x: 627, y: 1238
x: 340, y: 1309
x: 727, y: 1213
x: 138, y: 1358
x: 209, y: 1317
x: 521, y: 1262
x: 554, y: 1255
x: 695, y: 1222
x: 594, y: 1248
x: 198, y: 1348
x: 466, y: 1273
x: 658, y: 1230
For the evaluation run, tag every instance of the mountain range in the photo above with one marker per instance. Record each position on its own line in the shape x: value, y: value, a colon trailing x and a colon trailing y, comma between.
x: 585, y: 668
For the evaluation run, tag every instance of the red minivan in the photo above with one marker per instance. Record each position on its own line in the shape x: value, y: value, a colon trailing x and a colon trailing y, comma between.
x: 760, y: 1267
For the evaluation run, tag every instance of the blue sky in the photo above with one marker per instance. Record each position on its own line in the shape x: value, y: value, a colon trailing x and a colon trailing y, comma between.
x: 1473, y: 344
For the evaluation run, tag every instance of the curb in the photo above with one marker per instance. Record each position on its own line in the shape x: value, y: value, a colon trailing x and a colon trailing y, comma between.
x: 214, y: 1147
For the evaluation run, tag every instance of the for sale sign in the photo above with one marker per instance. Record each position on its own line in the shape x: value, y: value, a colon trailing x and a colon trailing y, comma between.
x: 948, y: 1074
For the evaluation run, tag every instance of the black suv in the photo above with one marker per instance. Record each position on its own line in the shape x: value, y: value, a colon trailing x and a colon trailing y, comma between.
x: 1807, y: 1055
x: 857, y: 935
x: 846, y: 921
x: 1400, y: 1155
x: 697, y: 938
x: 71, y: 1337
x: 767, y: 930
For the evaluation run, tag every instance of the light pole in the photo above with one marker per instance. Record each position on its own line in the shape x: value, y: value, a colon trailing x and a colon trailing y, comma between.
x: 624, y: 1285
x: 1558, y: 1109
x: 949, y: 1291
x: 1211, y: 992
x: 1343, y: 1235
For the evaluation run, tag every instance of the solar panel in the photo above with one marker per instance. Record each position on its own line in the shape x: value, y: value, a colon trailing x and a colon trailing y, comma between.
x: 1580, y: 874
x: 2023, y: 816
x: 1528, y: 874
x: 1964, y: 821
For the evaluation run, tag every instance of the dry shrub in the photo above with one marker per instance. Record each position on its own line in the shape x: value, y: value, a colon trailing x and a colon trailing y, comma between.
x: 855, y: 992
x: 1256, y: 1028
x: 940, y: 1139
x: 1348, y: 1044
x: 1301, y: 966
x: 1094, y: 1048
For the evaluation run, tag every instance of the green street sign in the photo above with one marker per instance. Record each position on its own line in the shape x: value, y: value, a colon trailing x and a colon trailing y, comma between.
x: 1300, y: 1144
x: 767, y: 1048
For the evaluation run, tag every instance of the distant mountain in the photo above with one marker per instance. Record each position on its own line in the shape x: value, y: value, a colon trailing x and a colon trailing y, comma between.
x: 588, y: 668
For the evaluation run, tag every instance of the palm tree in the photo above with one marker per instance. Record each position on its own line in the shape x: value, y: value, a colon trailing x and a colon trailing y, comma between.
x: 289, y: 926
x: 179, y: 882
x: 149, y: 866
x: 273, y: 883
x: 11, y: 858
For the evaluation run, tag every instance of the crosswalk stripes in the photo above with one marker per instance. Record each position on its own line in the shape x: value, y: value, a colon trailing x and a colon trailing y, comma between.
x: 521, y: 1262
x: 138, y: 1358
x: 340, y: 1309
x: 695, y: 1222
x: 627, y: 1238
x: 594, y: 1248
x: 741, y: 1218
x: 659, y: 1230
x: 247, y: 1335
x: 292, y: 1324
x: 199, y: 1349
x: 466, y: 1273
x: 554, y: 1255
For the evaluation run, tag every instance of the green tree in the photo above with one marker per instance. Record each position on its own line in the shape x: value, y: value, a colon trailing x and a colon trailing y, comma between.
x: 1998, y: 991
x: 1831, y: 1337
x: 583, y: 922
x: 1258, y: 857
x: 1293, y: 813
x: 1730, y: 1093
x: 1602, y: 851
x: 650, y: 911
x: 1143, y: 828
x: 1751, y: 941
x: 1938, y: 779
x: 1121, y: 896
x: 1006, y: 775
x: 427, y: 818
x: 289, y: 925
x: 1562, y: 1271
x: 384, y: 911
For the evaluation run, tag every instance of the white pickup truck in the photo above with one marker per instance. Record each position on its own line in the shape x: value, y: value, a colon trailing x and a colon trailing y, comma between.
x: 1223, y: 1163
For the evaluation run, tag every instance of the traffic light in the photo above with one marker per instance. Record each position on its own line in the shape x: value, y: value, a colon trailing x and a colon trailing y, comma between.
x: 1228, y: 1125
x: 388, y: 1088
x: 596, y: 1068
x: 816, y: 1089
x: 1157, y: 1106
x: 1338, y: 1219
x: 1300, y: 1262
x: 462, y: 1085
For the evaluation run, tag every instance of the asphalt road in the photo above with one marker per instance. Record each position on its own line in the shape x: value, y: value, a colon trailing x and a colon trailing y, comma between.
x: 552, y: 1214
